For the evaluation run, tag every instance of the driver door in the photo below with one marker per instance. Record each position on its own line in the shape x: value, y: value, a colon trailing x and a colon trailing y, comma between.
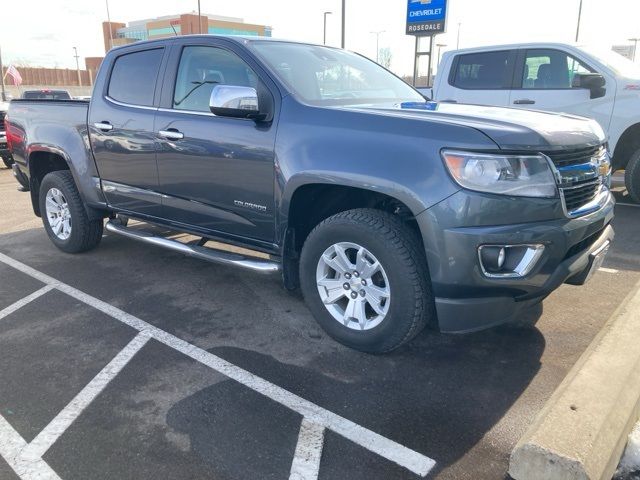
x: 216, y: 174
x: 544, y: 80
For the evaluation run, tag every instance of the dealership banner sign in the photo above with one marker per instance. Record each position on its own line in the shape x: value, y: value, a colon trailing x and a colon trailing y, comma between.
x: 426, y: 17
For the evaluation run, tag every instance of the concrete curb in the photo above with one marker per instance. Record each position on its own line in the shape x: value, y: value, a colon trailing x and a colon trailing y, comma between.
x: 582, y: 430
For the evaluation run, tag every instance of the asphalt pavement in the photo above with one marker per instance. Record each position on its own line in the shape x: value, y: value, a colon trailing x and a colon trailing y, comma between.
x: 133, y: 362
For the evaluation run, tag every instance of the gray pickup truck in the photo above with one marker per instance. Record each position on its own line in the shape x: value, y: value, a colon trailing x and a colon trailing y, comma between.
x: 389, y: 212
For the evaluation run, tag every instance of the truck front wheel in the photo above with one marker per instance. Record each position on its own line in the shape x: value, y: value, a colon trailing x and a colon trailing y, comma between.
x: 632, y: 177
x: 365, y: 279
x: 64, y: 216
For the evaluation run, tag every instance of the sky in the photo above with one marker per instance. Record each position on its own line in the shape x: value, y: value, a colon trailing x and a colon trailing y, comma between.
x: 44, y: 32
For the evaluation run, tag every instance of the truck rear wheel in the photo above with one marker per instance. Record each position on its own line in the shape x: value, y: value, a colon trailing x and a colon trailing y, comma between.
x: 64, y: 216
x: 365, y: 279
x: 632, y: 177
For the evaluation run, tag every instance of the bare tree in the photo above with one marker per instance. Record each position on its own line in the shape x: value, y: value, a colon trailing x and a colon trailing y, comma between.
x: 385, y: 57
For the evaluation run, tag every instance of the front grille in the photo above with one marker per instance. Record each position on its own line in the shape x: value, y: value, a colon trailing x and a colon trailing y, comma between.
x: 578, y: 195
x: 577, y: 156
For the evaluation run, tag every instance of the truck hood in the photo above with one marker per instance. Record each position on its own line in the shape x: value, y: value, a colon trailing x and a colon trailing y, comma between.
x: 509, y: 128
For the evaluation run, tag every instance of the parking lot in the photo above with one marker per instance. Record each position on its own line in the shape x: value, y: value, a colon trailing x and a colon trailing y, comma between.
x: 131, y: 362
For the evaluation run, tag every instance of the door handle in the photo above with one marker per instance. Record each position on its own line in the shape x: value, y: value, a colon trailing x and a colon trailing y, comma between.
x: 104, y: 126
x: 171, y: 134
x: 524, y: 101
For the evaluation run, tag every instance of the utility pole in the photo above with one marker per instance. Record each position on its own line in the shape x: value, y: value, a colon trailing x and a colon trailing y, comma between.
x: 458, y: 41
x: 77, y: 67
x: 199, y: 19
x: 3, y: 93
x: 109, y: 21
x: 579, y: 17
x: 635, y: 46
x: 344, y: 8
x: 324, y: 37
x: 377, y: 34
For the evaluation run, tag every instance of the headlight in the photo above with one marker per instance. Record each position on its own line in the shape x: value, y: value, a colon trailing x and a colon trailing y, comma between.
x: 518, y: 175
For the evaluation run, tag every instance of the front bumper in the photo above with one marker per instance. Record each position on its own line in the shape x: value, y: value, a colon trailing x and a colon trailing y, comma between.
x: 466, y: 299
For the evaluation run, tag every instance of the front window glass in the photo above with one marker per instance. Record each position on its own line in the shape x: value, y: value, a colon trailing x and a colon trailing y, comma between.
x: 328, y: 76
x: 201, y: 69
x: 550, y: 69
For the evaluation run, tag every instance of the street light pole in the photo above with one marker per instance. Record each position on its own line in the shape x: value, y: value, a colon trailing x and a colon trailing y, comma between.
x: 199, y: 19
x: 77, y: 67
x: 579, y: 17
x: 324, y: 37
x: 458, y: 40
x: 377, y: 34
x: 344, y: 8
x: 109, y: 21
x: 440, y: 45
x: 635, y: 46
x: 3, y: 94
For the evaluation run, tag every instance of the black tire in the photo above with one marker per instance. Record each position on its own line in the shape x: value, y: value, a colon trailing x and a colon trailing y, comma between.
x: 399, y: 251
x: 632, y: 177
x: 8, y: 161
x: 85, y: 233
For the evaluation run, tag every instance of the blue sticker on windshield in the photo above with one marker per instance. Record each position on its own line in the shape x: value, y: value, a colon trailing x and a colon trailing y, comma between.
x: 432, y: 106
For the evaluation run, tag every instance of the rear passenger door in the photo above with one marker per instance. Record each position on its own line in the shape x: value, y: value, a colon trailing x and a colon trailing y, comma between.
x: 482, y: 78
x: 121, y: 131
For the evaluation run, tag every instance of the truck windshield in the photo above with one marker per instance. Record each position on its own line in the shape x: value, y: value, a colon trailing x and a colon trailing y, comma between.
x: 328, y: 76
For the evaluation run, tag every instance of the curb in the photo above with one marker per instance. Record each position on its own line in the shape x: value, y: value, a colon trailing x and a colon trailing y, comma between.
x: 582, y: 430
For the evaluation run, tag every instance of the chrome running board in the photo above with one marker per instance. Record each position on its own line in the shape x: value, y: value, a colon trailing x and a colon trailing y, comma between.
x: 203, y: 253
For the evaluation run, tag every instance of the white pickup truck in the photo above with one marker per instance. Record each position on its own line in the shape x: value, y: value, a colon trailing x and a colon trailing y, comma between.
x: 573, y: 79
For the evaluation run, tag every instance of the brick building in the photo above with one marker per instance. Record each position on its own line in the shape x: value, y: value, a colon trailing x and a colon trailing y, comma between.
x: 116, y: 33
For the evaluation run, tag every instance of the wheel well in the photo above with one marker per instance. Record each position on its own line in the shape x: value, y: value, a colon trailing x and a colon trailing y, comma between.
x: 41, y: 163
x: 628, y: 143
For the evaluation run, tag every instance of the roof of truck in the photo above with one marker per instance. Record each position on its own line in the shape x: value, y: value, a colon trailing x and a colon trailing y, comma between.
x: 511, y: 46
x: 240, y: 39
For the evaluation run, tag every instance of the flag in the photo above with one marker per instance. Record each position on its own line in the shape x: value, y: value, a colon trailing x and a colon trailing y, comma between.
x: 14, y: 74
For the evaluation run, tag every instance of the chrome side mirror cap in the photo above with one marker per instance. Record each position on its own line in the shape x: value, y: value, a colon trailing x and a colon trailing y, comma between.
x: 234, y: 101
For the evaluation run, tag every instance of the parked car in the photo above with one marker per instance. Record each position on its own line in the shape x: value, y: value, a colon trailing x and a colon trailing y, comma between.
x: 46, y: 94
x: 4, y: 151
x: 559, y: 77
x: 389, y: 212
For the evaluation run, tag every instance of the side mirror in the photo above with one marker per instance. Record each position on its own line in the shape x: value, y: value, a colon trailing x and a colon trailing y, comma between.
x: 234, y: 101
x: 590, y: 81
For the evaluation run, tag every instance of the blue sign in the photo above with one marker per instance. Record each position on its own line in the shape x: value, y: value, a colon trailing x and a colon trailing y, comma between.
x: 426, y: 17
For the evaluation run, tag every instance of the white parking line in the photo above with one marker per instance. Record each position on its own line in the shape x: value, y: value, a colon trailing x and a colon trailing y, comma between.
x: 411, y: 460
x: 24, y: 301
x: 62, y: 421
x: 608, y: 270
x: 11, y: 447
x: 306, y: 460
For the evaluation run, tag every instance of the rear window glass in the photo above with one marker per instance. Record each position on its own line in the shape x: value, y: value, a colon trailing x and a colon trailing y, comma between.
x: 133, y: 77
x: 485, y: 70
x: 46, y: 95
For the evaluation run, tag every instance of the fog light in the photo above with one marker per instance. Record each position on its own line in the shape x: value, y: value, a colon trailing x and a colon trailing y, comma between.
x: 508, y: 261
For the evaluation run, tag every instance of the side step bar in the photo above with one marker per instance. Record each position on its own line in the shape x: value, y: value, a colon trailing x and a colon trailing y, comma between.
x: 203, y: 253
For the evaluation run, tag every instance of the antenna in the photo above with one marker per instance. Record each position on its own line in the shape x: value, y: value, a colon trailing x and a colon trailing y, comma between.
x: 173, y: 28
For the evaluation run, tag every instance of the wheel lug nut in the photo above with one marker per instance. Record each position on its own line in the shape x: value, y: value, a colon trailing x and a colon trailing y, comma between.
x: 346, y: 286
x: 356, y: 274
x: 363, y: 282
x: 347, y: 276
x: 362, y: 293
x: 354, y: 295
